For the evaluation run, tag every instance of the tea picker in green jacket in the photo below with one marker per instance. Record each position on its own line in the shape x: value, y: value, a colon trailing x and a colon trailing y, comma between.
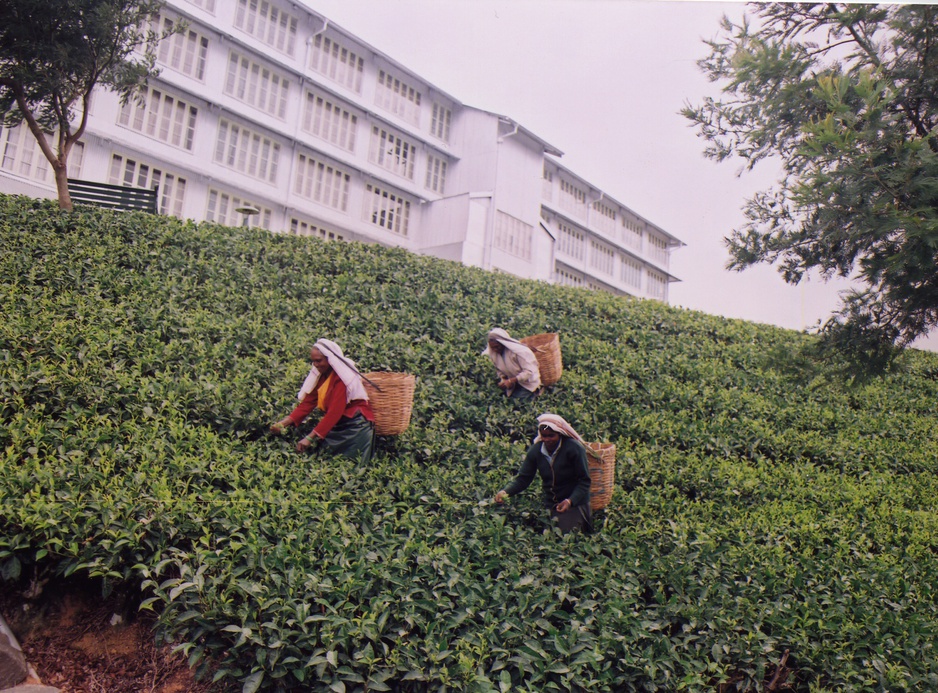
x: 558, y: 454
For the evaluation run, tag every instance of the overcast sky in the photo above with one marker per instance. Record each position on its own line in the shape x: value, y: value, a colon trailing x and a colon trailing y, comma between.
x: 604, y: 82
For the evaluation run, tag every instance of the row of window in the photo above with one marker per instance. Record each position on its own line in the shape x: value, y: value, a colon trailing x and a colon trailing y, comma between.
x: 316, y: 181
x: 302, y: 227
x: 604, y: 217
x: 513, y: 235
x: 656, y: 285
x: 571, y: 242
x: 207, y: 5
x: 21, y: 156
x: 337, y: 63
x: 630, y: 232
x: 324, y: 184
x: 168, y: 119
x: 267, y: 90
x: 658, y: 249
x: 268, y: 24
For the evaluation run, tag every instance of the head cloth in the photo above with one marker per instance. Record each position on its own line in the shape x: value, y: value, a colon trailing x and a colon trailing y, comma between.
x: 559, y: 424
x: 344, y: 368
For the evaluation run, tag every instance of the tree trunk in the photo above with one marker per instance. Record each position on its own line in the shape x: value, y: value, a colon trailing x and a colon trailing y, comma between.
x: 61, y: 184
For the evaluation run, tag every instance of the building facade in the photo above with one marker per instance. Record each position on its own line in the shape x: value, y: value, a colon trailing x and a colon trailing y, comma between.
x: 267, y: 105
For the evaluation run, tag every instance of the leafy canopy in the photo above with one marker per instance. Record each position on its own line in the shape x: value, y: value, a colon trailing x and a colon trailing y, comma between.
x: 53, y: 53
x: 846, y: 98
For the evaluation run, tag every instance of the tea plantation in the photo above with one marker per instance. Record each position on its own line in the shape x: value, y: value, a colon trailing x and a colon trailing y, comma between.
x: 765, y: 503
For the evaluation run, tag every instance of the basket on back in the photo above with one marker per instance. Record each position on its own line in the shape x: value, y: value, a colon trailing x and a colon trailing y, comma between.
x: 601, y: 459
x: 546, y: 348
x: 393, y: 403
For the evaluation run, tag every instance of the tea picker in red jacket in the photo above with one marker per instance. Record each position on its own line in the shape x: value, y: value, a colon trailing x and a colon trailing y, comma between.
x: 334, y: 386
x: 558, y: 455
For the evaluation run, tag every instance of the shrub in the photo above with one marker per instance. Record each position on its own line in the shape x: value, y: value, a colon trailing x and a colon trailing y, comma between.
x: 763, y: 505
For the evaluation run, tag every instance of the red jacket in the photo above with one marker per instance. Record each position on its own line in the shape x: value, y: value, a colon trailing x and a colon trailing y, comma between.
x: 336, y: 407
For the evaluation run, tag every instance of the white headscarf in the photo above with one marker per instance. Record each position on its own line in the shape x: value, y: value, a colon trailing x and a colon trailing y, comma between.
x: 506, y: 340
x: 523, y: 357
x: 559, y: 424
x: 344, y: 368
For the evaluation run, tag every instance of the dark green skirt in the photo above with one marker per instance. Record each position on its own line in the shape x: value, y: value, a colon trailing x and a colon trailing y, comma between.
x: 352, y: 437
x: 578, y: 518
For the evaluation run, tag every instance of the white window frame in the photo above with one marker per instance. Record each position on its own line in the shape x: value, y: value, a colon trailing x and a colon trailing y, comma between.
x: 602, y: 257
x: 630, y: 272
x: 387, y: 210
x: 161, y: 116
x: 301, y: 227
x: 267, y: 23
x: 656, y: 285
x: 21, y: 155
x: 247, y: 151
x: 572, y: 242
x: 573, y: 198
x: 337, y: 63
x: 392, y: 152
x: 567, y: 278
x: 632, y: 232
x: 321, y: 182
x: 658, y: 249
x: 221, y: 205
x: 184, y: 52
x: 436, y: 174
x: 132, y: 172
x: 440, y: 122
x: 256, y: 85
x: 604, y: 217
x: 398, y: 97
x: 329, y: 121
x: 513, y: 235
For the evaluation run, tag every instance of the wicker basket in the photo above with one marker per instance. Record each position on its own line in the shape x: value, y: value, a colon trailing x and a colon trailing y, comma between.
x: 393, y: 403
x: 601, y: 458
x: 546, y: 348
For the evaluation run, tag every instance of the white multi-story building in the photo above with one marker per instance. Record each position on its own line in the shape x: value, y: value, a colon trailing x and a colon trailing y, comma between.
x: 268, y: 105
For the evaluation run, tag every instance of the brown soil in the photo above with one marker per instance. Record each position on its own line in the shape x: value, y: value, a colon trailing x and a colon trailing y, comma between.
x: 69, y: 640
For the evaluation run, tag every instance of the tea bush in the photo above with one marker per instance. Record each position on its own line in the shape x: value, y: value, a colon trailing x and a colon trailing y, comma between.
x: 764, y: 504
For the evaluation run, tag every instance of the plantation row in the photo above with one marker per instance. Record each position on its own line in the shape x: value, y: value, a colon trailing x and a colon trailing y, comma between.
x: 764, y: 503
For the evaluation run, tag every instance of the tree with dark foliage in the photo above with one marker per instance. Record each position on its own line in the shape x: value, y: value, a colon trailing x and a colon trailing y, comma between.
x: 53, y: 53
x: 846, y: 97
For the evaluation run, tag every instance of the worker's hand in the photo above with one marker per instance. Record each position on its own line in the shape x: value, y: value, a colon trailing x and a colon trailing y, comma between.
x: 501, y: 496
x: 304, y: 444
x: 563, y: 506
x: 280, y: 426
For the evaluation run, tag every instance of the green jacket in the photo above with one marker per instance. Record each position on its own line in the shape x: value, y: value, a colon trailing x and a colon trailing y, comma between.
x: 567, y: 477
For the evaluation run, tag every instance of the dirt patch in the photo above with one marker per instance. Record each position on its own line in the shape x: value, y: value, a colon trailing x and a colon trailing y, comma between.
x: 80, y: 642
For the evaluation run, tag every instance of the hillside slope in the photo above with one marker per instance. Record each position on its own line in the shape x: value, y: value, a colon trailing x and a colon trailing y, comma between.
x: 763, y: 504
